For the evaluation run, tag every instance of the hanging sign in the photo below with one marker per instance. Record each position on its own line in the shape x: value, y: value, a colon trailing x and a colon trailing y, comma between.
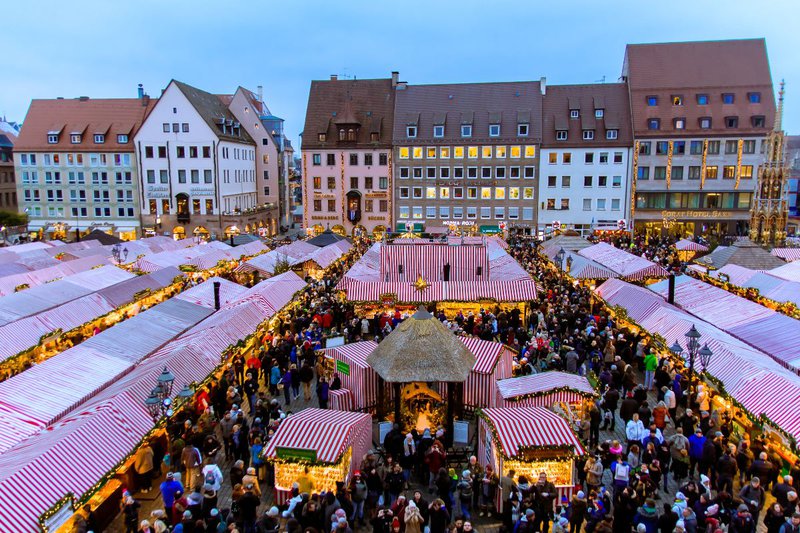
x: 298, y: 454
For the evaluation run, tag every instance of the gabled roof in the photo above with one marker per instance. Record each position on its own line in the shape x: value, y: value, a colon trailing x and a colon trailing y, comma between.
x: 111, y: 116
x: 743, y: 253
x: 212, y: 108
x: 612, y: 98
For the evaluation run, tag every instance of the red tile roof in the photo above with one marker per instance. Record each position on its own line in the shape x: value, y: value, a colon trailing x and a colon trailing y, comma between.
x: 111, y: 116
x: 611, y: 97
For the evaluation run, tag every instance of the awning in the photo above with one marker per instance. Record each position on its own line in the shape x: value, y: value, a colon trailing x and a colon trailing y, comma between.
x: 490, y: 229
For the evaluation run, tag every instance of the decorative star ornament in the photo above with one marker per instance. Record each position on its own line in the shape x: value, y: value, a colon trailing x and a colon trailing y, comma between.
x: 421, y: 284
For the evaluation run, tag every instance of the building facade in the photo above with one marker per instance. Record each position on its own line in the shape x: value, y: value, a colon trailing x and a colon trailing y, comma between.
x: 585, y: 168
x: 466, y: 156
x: 793, y: 199
x: 701, y: 112
x: 346, y: 156
x: 198, y: 167
x: 8, y: 187
x: 76, y: 167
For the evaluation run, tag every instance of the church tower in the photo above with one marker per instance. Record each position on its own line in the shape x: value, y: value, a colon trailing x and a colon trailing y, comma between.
x: 769, y: 209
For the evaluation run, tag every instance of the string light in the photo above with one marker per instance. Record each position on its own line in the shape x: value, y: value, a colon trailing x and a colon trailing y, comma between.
x: 703, y: 165
x: 669, y: 164
x: 738, y: 163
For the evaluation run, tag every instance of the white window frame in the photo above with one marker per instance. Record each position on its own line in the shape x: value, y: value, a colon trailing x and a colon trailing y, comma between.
x: 75, y: 138
x: 561, y: 135
x: 598, y: 113
x: 52, y: 138
x: 612, y: 134
x: 99, y: 138
x: 466, y: 130
x: 411, y: 132
x: 122, y: 138
x: 494, y: 130
x: 526, y: 132
x: 574, y: 113
x: 438, y: 131
x: 588, y: 135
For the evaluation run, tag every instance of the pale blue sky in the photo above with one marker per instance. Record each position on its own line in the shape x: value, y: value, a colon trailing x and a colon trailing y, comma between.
x: 104, y: 48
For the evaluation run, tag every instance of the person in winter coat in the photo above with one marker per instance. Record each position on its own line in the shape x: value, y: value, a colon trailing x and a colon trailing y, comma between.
x: 627, y: 408
x: 465, y: 494
x: 647, y: 515
x: 667, y: 520
x: 358, y: 494
x: 438, y: 516
x: 635, y: 431
x: 578, y: 508
x: 488, y: 488
x: 413, y: 518
x: 742, y: 521
x: 650, y: 366
x: 774, y: 519
x: 594, y: 472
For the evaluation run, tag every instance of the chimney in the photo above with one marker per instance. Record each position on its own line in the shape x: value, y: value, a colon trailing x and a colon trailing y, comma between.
x: 216, y: 295
x: 140, y: 91
x: 395, y: 78
x: 145, y: 100
x: 543, y: 85
x: 83, y: 98
x: 334, y: 77
x: 260, y: 93
x: 671, y: 293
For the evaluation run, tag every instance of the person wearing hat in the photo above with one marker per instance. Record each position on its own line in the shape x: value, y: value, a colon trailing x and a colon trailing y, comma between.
x: 130, y: 512
x: 270, y: 522
x: 742, y: 521
x: 465, y: 493
x: 578, y: 508
x: 252, y: 479
x: 358, y: 495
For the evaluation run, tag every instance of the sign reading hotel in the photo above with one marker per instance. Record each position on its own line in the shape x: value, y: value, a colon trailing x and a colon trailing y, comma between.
x: 696, y: 214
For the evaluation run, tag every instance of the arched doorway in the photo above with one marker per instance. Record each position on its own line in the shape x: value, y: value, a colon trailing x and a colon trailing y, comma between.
x: 201, y: 234
x: 359, y: 230
x: 182, y: 207
x: 338, y: 229
x: 178, y: 233
x: 378, y: 232
x: 354, y: 206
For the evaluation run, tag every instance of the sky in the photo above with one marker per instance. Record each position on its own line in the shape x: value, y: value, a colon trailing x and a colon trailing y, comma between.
x: 105, y: 48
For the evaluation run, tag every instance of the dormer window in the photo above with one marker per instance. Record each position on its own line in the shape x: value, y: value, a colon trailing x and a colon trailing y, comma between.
x: 411, y: 132
x: 494, y: 130
x: 758, y: 121
x: 677, y: 99
x: 612, y: 134
x: 122, y: 138
x: 99, y: 138
x: 466, y: 130
x: 588, y: 135
x: 561, y: 135
x: 574, y: 113
x: 374, y: 136
x: 728, y: 98
x: 754, y: 98
x: 52, y: 138
x: 598, y: 113
x: 75, y: 138
x: 705, y: 123
x: 351, y: 134
x: 731, y: 122
x: 522, y: 130
x: 680, y: 123
x: 438, y: 131
x: 322, y: 137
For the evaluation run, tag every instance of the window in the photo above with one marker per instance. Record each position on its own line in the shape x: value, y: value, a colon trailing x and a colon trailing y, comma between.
x: 551, y: 181
x: 181, y: 176
x: 588, y: 135
x: 430, y: 173
x: 603, y: 158
x: 52, y: 139
x: 404, y: 173
x: 615, y: 204
x: 330, y: 159
x: 616, y: 181
x: 527, y: 193
x: 207, y: 179
x: 662, y: 147
x: 653, y: 124
x: 430, y: 193
x: 677, y: 99
x: 322, y: 137
x: 316, y: 159
x: 368, y: 160
x: 527, y: 213
x: 677, y: 173
x: 513, y: 213
x: 458, y: 152
x: 574, y: 113
x: 705, y: 123
x: 417, y: 173
x: 500, y: 152
x: 565, y: 204
x: 500, y: 173
x: 696, y: 147
x: 522, y: 130
x: 103, y: 196
x: 472, y: 212
x: 552, y: 158
x: 617, y: 158
x: 530, y: 173
x: 711, y: 173
x: 317, y: 182
x: 728, y: 172
x: 374, y: 136
x: 499, y: 212
x: 754, y: 98
x: 486, y: 193
x: 694, y: 173
x: 472, y: 193
x: 702, y: 99
x: 612, y: 134
x: 713, y: 200
x: 466, y: 130
x: 486, y: 213
x: 602, y: 181
x: 444, y: 212
x: 643, y: 173
x: 601, y: 204
x: 727, y: 98
x: 438, y: 131
x: 587, y: 181
x: 486, y: 173
x: 317, y: 205
x: 747, y: 172
x: 561, y: 135
x: 368, y: 203
x: 566, y: 181
x: 757, y: 121
x: 644, y: 148
x: 123, y: 178
x: 165, y: 127
x: 367, y: 183
x: 383, y: 160
x: 99, y: 178
x: 417, y: 192
x: 164, y: 176
x: 472, y: 172
x: 587, y: 204
x: 75, y: 138
x: 660, y: 173
x: 331, y: 182
x: 598, y: 113
x: 588, y: 158
x: 652, y: 100
x: 404, y: 211
x: 416, y: 152
x: 472, y: 152
x: 566, y: 158
x: 743, y: 200
x: 353, y: 160
x: 731, y: 122
x: 185, y: 127
x: 444, y: 152
x: 411, y: 132
x: 513, y: 193
x: 444, y: 173
x: 458, y: 192
x: 713, y: 147
x: 731, y: 147
x: 404, y: 192
x: 494, y: 130
x: 679, y: 123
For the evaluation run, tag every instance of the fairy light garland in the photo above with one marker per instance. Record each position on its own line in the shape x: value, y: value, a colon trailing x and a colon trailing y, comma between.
x: 669, y: 164
x: 703, y: 164
x: 634, y: 179
x: 739, y: 150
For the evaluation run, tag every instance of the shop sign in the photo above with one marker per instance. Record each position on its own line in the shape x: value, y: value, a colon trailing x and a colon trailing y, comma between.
x: 379, y: 219
x: 342, y: 368
x: 201, y: 191
x: 321, y: 195
x: 157, y: 191
x: 297, y: 454
x: 542, y: 454
x: 376, y: 195
x: 324, y: 217
x: 622, y: 224
x: 388, y: 299
x: 458, y: 222
x: 696, y: 214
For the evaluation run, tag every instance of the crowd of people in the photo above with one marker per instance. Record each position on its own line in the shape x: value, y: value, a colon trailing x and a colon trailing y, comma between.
x: 681, y: 466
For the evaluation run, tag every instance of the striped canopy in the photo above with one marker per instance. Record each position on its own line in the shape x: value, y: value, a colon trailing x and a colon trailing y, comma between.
x: 542, y: 383
x: 685, y: 245
x: 530, y: 427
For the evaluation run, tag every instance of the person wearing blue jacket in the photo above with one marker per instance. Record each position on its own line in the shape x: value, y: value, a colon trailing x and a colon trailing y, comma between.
x: 696, y: 443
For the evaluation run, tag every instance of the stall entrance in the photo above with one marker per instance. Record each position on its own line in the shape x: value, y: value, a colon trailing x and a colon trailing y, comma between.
x: 421, y: 407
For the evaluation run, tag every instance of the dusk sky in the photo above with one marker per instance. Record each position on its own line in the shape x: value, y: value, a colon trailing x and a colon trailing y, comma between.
x: 104, y: 48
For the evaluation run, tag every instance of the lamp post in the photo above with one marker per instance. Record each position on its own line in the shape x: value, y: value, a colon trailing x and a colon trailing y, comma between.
x: 692, y: 350
x: 234, y: 231
x: 119, y: 253
x: 159, y: 402
x: 560, y: 258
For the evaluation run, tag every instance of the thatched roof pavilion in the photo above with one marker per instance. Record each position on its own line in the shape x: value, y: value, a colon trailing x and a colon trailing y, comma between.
x: 422, y: 349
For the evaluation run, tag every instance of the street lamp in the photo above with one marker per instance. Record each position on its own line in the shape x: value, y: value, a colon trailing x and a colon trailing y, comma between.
x: 165, y: 380
x: 119, y: 253
x: 560, y: 258
x: 692, y: 350
x: 159, y: 403
x: 705, y: 354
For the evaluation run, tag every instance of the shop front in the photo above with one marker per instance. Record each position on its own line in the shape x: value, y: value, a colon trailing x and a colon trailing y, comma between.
x: 689, y: 223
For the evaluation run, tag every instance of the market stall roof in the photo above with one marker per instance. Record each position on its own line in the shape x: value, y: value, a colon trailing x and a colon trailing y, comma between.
x: 583, y: 268
x: 422, y: 349
x: 326, y: 432
x: 686, y: 245
x: 737, y: 275
x: 355, y: 351
x: 774, y: 288
x: 771, y: 332
x: 325, y: 238
x: 102, y: 237
x: 544, y: 382
x: 790, y: 271
x: 570, y: 243
x: 625, y: 264
x: 744, y: 253
x: 203, y: 294
x: 487, y: 353
x: 787, y: 254
x: 519, y: 428
x: 124, y: 292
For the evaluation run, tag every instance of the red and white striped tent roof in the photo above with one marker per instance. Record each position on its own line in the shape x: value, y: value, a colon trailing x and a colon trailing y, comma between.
x: 787, y: 254
x: 685, y: 245
x: 325, y: 431
x: 356, y: 352
x: 583, y: 268
x: 487, y: 353
x: 530, y: 427
x: 543, y: 383
x: 627, y: 265
x: 203, y: 294
x: 789, y: 271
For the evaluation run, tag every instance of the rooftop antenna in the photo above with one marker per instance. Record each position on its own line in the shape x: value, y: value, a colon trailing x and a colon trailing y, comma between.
x: 601, y: 80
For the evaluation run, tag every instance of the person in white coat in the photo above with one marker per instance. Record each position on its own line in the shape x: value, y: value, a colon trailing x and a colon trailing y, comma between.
x: 635, y: 431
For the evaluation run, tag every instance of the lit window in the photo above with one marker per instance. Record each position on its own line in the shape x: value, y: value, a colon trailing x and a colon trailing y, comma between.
x: 444, y: 152
x: 677, y: 100
x: 598, y: 113
x: 430, y: 192
x: 516, y: 152
x: 500, y: 152
x: 500, y: 193
x: 472, y: 152
x: 458, y: 152
x: 403, y: 153
x: 431, y: 153
x: 444, y: 193
x: 530, y: 151
x: 680, y: 123
x: 417, y: 152
x: 486, y: 193
x: 486, y: 152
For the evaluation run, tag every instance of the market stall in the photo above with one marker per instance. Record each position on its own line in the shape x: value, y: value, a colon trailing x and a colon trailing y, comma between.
x: 568, y: 392
x: 687, y: 249
x: 529, y: 440
x: 493, y: 362
x: 626, y: 265
x: 349, y: 361
x: 341, y: 400
x: 317, y: 448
